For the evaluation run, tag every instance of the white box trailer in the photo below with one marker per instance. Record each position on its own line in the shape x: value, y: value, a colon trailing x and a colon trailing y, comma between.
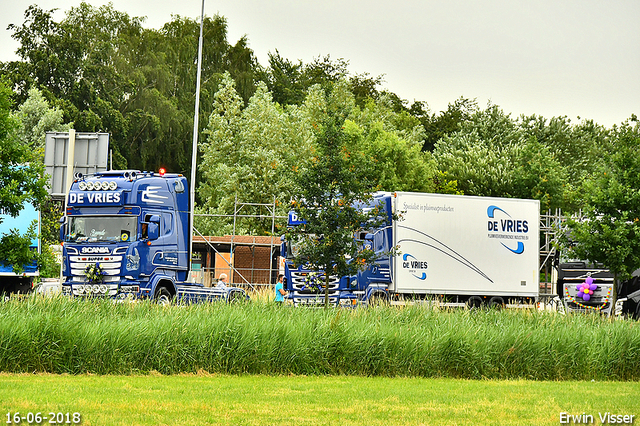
x: 465, y: 245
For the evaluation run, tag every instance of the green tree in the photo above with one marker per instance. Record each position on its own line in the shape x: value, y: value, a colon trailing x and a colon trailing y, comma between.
x: 578, y: 148
x: 21, y: 181
x: 250, y: 154
x: 393, y: 141
x: 490, y: 155
x: 335, y: 180
x: 108, y: 73
x: 609, y: 230
x: 35, y: 118
x: 284, y: 79
x: 446, y: 122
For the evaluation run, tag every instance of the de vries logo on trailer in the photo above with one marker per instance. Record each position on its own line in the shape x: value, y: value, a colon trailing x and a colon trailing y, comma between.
x: 513, y: 232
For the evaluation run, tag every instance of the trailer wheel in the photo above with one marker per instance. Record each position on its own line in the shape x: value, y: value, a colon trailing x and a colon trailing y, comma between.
x: 474, y: 302
x: 496, y: 302
x: 163, y: 297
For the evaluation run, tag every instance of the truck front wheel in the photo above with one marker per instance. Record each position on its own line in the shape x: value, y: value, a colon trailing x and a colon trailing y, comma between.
x: 163, y: 297
x: 378, y: 299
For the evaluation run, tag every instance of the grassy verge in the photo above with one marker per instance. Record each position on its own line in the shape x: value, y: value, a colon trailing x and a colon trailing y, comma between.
x: 76, y: 337
x: 296, y: 400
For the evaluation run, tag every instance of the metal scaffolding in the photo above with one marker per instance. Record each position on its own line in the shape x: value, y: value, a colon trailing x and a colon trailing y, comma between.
x: 247, y: 276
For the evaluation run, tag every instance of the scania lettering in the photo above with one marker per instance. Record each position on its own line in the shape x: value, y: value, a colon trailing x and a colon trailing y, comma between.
x: 458, y: 250
x: 126, y: 235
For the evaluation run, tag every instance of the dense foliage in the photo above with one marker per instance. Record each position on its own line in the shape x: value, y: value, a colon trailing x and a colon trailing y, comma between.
x: 99, y: 69
x: 21, y: 182
x: 337, y: 178
x: 608, y: 230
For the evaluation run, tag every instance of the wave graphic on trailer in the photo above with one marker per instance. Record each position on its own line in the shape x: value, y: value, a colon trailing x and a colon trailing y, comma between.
x: 444, y: 249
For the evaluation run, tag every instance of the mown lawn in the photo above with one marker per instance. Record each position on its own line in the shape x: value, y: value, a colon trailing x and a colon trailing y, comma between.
x: 310, y: 400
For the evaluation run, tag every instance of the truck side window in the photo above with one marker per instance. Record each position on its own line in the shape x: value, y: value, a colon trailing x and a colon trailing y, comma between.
x: 167, y: 227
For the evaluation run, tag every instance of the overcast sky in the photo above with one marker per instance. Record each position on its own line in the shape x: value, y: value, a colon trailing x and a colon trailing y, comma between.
x: 546, y: 57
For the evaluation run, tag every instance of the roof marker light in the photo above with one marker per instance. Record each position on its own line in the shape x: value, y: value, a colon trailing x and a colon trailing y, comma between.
x: 162, y: 171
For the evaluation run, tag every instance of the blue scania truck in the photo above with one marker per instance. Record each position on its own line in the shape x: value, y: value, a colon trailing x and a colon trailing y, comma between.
x: 459, y: 250
x: 126, y: 235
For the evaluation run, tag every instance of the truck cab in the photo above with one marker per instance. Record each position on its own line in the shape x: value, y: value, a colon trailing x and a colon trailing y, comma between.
x: 126, y: 235
x: 307, y: 286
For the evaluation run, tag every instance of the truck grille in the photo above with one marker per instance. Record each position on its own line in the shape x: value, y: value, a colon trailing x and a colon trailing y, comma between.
x: 301, y: 283
x: 111, y: 265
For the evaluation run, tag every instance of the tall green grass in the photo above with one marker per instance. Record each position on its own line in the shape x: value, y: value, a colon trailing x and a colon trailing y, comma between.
x: 62, y: 335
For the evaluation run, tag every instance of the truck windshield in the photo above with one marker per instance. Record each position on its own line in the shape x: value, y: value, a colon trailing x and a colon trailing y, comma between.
x: 102, y: 228
x: 294, y: 247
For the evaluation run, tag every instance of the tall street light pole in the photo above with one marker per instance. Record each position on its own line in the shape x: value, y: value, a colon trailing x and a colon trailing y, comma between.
x: 194, y: 149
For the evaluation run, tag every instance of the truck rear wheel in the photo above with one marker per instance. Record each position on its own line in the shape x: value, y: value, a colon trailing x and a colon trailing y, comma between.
x: 474, y: 302
x: 496, y: 302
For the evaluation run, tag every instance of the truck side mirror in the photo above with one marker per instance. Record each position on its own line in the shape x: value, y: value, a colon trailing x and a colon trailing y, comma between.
x: 368, y: 242
x: 153, y: 227
x: 283, y: 247
x: 63, y: 228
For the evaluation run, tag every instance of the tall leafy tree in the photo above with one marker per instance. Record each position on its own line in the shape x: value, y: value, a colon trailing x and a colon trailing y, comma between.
x: 490, y: 155
x: 446, y: 122
x: 107, y: 73
x: 250, y: 155
x: 609, y: 230
x: 21, y: 181
x: 393, y: 141
x: 336, y: 179
x: 284, y: 79
x: 579, y: 148
x: 35, y: 117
